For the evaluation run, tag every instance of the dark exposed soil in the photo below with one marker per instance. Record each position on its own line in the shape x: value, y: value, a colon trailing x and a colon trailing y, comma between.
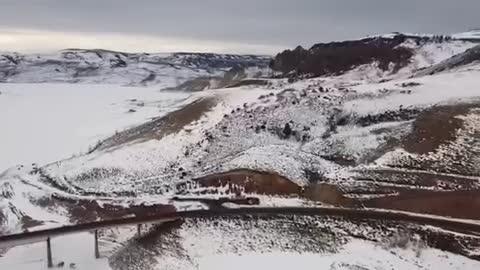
x: 422, y: 192
x: 405, y: 189
x: 28, y: 222
x: 161, y: 127
x: 3, y: 219
x: 252, y: 182
x: 83, y: 211
x: 274, y: 184
x: 457, y: 204
x: 435, y: 127
x: 328, y: 194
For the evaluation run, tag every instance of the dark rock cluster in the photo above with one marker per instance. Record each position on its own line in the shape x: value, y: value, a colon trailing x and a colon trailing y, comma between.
x: 338, y: 57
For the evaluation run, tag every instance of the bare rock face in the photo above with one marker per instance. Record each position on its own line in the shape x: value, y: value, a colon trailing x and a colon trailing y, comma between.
x: 338, y: 57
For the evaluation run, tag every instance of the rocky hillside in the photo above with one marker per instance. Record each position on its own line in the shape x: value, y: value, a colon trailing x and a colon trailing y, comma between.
x: 388, y: 53
x: 103, y: 66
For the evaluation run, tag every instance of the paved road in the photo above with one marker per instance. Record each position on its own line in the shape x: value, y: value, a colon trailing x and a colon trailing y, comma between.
x: 355, y: 214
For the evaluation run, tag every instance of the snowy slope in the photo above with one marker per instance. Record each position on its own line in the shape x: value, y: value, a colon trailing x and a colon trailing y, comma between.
x: 43, y: 123
x: 238, y: 143
x: 424, y: 56
x: 468, y: 60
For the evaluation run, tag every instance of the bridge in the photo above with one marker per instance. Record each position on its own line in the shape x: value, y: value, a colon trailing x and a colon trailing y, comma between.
x: 456, y: 225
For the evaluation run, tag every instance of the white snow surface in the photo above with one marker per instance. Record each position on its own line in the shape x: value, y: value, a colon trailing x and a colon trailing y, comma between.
x: 357, y: 254
x: 438, y: 89
x: 43, y: 123
x: 76, y: 249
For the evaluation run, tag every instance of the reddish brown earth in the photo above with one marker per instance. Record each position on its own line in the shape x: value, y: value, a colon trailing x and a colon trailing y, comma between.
x: 252, y: 182
x: 408, y: 197
x: 274, y: 184
x: 421, y: 192
x: 435, y: 127
x: 457, y: 204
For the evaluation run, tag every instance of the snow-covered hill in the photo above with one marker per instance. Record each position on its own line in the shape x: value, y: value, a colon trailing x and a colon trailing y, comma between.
x: 371, y: 135
x: 102, y: 66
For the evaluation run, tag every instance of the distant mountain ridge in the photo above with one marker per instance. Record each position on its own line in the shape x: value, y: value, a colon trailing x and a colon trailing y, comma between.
x: 104, y: 66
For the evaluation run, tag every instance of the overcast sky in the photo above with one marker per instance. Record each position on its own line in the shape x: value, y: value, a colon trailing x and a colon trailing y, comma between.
x: 237, y: 26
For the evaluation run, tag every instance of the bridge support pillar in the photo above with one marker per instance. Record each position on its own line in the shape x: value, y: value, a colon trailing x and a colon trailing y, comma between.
x: 97, y: 251
x: 139, y: 229
x: 49, y: 254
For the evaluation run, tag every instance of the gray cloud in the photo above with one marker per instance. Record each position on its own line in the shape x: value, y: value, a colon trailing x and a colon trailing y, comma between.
x: 275, y: 23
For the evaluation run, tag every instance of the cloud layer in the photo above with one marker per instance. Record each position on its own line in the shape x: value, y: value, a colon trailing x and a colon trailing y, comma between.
x: 256, y: 26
